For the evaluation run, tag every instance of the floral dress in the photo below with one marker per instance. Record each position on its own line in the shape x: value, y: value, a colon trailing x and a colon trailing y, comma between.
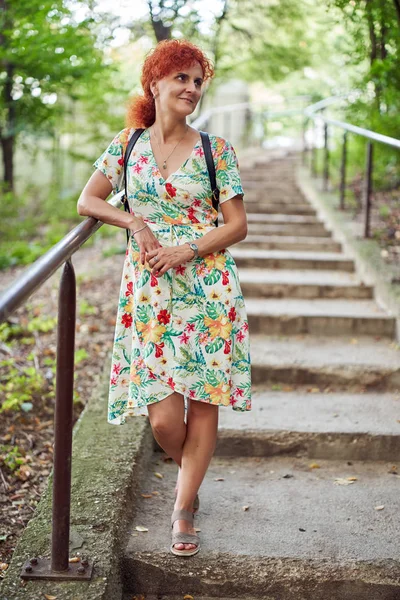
x: 186, y: 330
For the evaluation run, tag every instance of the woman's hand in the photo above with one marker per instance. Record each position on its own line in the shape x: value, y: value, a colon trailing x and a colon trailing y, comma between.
x: 168, y: 258
x: 147, y: 241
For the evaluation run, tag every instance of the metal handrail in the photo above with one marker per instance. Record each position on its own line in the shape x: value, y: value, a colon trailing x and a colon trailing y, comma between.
x: 371, y: 135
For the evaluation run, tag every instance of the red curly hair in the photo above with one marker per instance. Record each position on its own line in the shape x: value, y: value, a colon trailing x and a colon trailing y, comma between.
x: 167, y: 56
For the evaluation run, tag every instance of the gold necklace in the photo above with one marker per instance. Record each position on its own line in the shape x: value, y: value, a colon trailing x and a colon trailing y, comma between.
x: 165, y: 160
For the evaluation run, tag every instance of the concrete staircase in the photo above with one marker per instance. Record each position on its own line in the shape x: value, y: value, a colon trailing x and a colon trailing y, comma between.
x: 302, y: 497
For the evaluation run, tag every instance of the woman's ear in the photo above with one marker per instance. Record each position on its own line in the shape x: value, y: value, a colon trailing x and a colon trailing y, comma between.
x: 153, y: 89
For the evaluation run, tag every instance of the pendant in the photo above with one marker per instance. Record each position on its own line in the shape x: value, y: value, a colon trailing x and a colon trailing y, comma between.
x: 164, y: 164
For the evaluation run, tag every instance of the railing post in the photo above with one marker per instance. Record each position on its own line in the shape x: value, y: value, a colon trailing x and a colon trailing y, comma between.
x: 58, y: 567
x: 304, y: 149
x: 368, y: 189
x: 313, y: 152
x: 326, y: 159
x: 343, y: 171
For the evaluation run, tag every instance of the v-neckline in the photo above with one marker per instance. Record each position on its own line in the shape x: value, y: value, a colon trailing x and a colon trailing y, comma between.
x: 179, y: 169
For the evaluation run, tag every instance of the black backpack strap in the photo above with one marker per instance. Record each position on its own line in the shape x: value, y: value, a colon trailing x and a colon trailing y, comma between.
x: 211, y: 170
x: 136, y: 135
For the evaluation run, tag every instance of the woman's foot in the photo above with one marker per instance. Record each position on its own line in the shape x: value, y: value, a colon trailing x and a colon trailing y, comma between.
x: 183, y: 526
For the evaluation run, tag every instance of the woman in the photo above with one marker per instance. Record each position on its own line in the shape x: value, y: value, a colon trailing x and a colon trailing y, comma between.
x: 182, y: 329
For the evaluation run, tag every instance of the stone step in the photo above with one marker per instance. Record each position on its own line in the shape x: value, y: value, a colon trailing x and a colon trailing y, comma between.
x: 297, y: 229
x: 350, y: 363
x: 338, y: 426
x: 261, y: 219
x: 269, y: 283
x: 281, y: 259
x: 291, y: 242
x: 291, y: 316
x: 301, y: 537
x: 279, y: 207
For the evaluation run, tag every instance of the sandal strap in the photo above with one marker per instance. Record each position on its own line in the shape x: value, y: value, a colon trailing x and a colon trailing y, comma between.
x: 181, y: 513
x: 185, y: 538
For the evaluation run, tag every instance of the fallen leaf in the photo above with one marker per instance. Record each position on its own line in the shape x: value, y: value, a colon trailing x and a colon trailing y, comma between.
x: 245, y: 507
x: 3, y: 566
x: 197, y: 529
x: 354, y: 341
x: 339, y: 481
x: 155, y: 493
x: 314, y: 466
x: 219, y: 479
x: 188, y: 597
x: 141, y: 528
x: 147, y: 495
x: 352, y: 479
x: 50, y: 597
x: 381, y: 507
x: 159, y: 475
x: 74, y: 559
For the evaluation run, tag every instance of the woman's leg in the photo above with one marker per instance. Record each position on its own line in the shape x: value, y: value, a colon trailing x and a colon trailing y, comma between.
x: 197, y: 451
x: 168, y: 425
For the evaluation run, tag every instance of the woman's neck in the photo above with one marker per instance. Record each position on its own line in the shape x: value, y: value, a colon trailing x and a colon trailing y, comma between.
x: 168, y: 130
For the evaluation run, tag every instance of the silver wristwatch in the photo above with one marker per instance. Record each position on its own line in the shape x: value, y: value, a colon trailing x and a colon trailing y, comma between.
x: 195, y: 249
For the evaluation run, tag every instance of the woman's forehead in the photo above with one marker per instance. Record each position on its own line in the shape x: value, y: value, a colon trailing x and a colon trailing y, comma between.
x: 193, y: 69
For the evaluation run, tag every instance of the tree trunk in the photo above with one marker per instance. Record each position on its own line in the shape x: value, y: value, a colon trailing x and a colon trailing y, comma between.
x: 7, y: 132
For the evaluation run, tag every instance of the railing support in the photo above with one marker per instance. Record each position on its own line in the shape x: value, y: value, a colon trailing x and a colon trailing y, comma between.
x: 304, y: 141
x: 343, y: 172
x: 313, y: 163
x: 368, y: 189
x: 326, y: 159
x: 58, y: 567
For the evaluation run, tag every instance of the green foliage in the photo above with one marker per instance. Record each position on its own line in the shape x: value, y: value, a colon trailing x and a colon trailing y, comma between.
x: 11, y: 457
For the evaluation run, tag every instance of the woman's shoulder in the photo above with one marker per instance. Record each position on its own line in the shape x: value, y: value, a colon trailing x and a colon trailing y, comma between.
x: 219, y: 145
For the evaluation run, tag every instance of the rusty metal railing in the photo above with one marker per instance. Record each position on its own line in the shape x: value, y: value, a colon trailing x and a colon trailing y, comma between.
x: 313, y: 114
x: 58, y: 567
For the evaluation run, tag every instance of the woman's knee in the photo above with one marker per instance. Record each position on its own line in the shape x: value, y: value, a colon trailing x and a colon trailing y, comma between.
x: 166, y: 414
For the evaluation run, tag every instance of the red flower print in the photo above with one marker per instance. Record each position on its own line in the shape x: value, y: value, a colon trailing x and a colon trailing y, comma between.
x: 153, y: 280
x: 171, y: 191
x: 191, y: 216
x: 191, y: 394
x: 232, y: 314
x: 116, y: 368
x: 171, y: 383
x: 113, y: 381
x: 152, y: 376
x: 199, y: 151
x: 126, y: 320
x: 245, y: 327
x: 225, y: 277
x: 159, y: 351
x: 144, y: 159
x: 184, y: 338
x: 190, y: 327
x: 129, y: 289
x: 227, y: 346
x: 164, y: 316
x: 196, y: 203
x: 232, y: 400
x: 121, y: 161
x: 239, y: 392
x: 240, y: 336
x: 137, y: 168
x: 180, y: 270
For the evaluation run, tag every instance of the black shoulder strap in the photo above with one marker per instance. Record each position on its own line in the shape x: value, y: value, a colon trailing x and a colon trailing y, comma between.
x: 211, y: 170
x: 136, y: 135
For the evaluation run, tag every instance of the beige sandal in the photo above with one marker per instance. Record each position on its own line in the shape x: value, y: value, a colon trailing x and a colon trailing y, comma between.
x: 184, y: 538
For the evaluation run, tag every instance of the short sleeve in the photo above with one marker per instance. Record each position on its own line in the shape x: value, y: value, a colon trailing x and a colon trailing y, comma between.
x: 111, y: 162
x: 227, y: 171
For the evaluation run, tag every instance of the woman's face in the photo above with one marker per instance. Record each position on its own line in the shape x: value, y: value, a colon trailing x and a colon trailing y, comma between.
x: 180, y: 91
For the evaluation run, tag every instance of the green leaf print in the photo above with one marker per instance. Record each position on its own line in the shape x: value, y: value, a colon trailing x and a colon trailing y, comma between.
x: 127, y: 358
x: 148, y: 349
x: 170, y: 211
x: 183, y: 285
x: 143, y: 279
x: 211, y: 378
x: 212, y: 277
x: 214, y: 346
x: 144, y: 313
x: 169, y: 343
x: 125, y: 370
x: 215, y: 309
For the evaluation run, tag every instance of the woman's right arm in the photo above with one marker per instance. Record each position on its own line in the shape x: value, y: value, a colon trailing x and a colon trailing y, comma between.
x: 92, y: 203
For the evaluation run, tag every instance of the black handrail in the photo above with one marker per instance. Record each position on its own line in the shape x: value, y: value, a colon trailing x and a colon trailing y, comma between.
x: 372, y: 136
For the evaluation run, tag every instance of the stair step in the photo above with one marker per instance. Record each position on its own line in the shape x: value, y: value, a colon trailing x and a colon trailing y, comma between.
x: 301, y: 537
x: 269, y: 283
x: 274, y: 208
x: 338, y: 426
x: 315, y: 230
x: 281, y: 242
x: 318, y: 317
x: 281, y: 259
x: 261, y: 219
x: 353, y: 363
